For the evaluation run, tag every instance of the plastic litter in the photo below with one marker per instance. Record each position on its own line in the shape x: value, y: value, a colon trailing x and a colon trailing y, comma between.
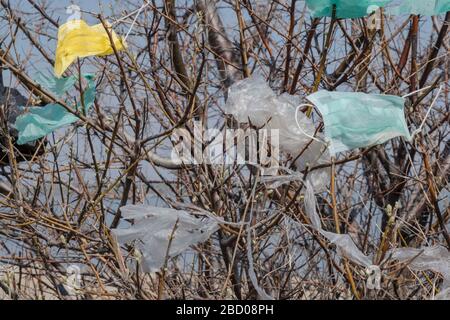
x: 153, y: 227
x: 373, y: 277
x: 422, y: 7
x: 40, y: 121
x: 355, y: 119
x: 76, y: 39
x: 73, y: 280
x: 434, y: 258
x: 251, y: 271
x: 253, y: 100
x: 344, y: 243
x: 58, y: 86
x: 344, y: 8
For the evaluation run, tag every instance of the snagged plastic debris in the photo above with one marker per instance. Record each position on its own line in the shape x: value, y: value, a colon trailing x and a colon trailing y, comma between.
x: 373, y: 277
x: 251, y: 270
x: 422, y: 7
x: 74, y: 11
x: 76, y: 39
x: 40, y: 121
x: 435, y: 258
x: 344, y: 8
x: 153, y: 227
x: 374, y: 19
x: 58, y: 86
x: 253, y: 100
x: 11, y: 100
x: 344, y: 243
x: 355, y: 119
x: 73, y: 280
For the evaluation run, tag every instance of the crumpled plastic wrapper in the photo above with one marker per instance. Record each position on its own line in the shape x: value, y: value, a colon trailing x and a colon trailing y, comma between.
x: 153, y: 227
x: 76, y: 39
x: 253, y: 100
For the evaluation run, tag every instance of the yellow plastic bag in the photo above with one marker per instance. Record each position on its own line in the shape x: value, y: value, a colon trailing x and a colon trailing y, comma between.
x: 76, y: 39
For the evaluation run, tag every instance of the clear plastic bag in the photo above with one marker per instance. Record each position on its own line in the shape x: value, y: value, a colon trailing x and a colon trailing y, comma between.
x: 252, y: 99
x: 153, y: 227
x: 435, y: 258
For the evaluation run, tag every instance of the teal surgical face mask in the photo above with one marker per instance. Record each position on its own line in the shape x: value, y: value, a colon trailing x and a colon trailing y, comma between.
x: 422, y: 7
x: 344, y: 8
x: 356, y: 120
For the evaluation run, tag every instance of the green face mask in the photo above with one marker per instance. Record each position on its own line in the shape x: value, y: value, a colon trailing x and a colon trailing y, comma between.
x: 344, y: 8
x: 356, y: 120
x: 422, y: 7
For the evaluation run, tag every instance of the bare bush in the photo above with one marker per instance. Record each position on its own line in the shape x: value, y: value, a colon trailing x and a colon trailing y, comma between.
x: 60, y: 200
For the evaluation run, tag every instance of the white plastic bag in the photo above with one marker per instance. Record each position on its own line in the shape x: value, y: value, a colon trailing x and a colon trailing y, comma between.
x: 434, y: 258
x: 153, y: 227
x: 253, y: 100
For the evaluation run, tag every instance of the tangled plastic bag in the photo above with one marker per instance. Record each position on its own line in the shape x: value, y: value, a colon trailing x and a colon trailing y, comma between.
x: 355, y: 119
x: 346, y: 247
x: 344, y: 8
x: 422, y: 7
x: 40, y: 121
x: 435, y: 258
x: 59, y: 86
x: 253, y: 100
x: 76, y: 39
x: 153, y: 227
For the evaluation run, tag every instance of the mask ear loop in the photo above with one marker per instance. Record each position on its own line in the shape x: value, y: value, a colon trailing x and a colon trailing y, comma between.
x: 428, y: 111
x: 418, y: 90
x: 300, y: 127
x: 135, y: 18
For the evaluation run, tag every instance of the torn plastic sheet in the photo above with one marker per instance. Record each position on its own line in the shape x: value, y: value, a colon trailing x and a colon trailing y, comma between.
x: 251, y: 270
x: 76, y: 39
x: 40, y: 121
x: 444, y: 293
x: 344, y: 8
x: 422, y: 7
x: 344, y: 243
x: 153, y: 227
x: 355, y: 119
x: 58, y: 86
x: 253, y: 100
x: 434, y: 258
